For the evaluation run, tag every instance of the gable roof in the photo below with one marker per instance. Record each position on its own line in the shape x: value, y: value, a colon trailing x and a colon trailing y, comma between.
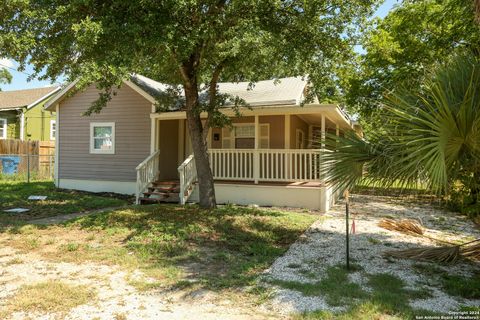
x: 283, y: 91
x: 16, y: 99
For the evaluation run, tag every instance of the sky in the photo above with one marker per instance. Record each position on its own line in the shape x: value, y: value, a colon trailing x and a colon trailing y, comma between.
x: 19, y: 80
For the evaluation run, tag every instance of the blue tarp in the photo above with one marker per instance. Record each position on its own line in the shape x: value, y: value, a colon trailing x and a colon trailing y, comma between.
x: 10, y: 164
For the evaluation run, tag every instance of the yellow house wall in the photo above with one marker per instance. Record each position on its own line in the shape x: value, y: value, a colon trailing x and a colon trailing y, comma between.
x: 37, y: 123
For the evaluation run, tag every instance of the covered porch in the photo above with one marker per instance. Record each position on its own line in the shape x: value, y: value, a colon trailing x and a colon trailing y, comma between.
x: 276, y: 149
x: 271, y: 144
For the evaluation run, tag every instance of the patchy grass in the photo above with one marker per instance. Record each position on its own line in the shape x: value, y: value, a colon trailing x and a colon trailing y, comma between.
x: 373, y: 240
x: 396, y: 188
x: 336, y: 287
x: 388, y: 297
x: 50, y: 296
x: 455, y: 285
x: 175, y: 246
x: 465, y: 287
x: 15, y: 194
x: 390, y: 294
x: 14, y: 261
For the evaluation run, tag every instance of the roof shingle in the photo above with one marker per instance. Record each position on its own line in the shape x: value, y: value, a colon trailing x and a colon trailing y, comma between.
x: 283, y: 91
x: 22, y: 98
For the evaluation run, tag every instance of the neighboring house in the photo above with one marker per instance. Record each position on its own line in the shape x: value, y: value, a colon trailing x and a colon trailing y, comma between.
x: 22, y: 115
x: 270, y: 156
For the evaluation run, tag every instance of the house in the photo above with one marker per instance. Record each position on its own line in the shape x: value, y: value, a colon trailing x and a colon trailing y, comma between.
x: 268, y: 157
x: 22, y: 115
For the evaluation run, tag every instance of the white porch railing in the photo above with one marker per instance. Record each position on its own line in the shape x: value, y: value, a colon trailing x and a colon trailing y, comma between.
x: 285, y: 165
x: 188, y: 175
x: 147, y: 172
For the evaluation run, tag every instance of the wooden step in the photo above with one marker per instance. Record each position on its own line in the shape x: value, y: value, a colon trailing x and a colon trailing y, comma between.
x: 161, y: 194
x: 148, y: 200
x: 162, y: 189
x: 166, y: 183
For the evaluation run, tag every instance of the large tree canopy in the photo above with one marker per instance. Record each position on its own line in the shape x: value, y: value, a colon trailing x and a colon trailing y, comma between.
x: 5, y: 76
x: 185, y: 42
x: 406, y: 45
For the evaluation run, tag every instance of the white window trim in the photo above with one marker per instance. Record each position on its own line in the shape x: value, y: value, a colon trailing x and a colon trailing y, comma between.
x: 92, y: 143
x: 233, y: 135
x: 52, y: 135
x: 3, y: 134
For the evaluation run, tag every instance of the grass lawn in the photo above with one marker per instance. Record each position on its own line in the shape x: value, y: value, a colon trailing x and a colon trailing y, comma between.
x: 14, y: 194
x: 174, y: 246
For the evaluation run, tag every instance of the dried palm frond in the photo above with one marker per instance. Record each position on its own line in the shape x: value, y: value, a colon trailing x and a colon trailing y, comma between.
x: 439, y: 254
x: 470, y: 250
x: 408, y: 226
x: 445, y: 254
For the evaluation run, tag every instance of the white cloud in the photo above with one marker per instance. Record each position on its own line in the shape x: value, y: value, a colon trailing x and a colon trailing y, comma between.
x: 7, y: 63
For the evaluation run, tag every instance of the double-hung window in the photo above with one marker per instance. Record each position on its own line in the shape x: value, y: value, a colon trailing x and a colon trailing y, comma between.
x: 242, y: 136
x: 102, y: 137
x: 3, y: 128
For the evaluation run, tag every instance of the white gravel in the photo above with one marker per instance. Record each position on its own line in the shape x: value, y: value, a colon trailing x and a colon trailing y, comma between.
x: 323, y: 246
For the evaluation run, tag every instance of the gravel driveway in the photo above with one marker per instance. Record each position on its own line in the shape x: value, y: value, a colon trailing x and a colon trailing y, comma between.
x: 323, y: 246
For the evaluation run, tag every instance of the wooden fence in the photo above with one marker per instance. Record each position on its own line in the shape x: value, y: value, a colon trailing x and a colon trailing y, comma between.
x: 34, y: 157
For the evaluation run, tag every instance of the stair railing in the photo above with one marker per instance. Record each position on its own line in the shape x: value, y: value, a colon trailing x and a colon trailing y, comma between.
x: 147, y: 172
x: 188, y: 175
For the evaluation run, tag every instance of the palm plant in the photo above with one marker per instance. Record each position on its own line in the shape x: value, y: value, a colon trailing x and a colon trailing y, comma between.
x: 431, y: 135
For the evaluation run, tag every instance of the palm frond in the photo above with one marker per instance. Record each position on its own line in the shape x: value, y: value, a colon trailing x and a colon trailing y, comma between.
x: 431, y: 134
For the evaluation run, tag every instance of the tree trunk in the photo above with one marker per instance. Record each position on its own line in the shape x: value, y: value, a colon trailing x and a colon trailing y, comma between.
x: 475, y: 189
x: 200, y: 150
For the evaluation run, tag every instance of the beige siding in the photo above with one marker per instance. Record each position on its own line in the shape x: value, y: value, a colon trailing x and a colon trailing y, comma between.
x: 277, y: 133
x: 130, y: 112
x: 297, y: 123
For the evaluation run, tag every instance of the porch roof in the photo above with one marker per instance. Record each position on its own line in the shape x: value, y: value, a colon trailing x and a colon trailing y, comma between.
x: 311, y: 113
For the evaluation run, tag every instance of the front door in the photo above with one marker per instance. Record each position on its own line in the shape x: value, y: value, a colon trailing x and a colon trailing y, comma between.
x: 168, y: 145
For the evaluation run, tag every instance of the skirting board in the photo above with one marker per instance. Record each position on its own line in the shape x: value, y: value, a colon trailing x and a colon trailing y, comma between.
x: 97, y: 185
x: 318, y: 198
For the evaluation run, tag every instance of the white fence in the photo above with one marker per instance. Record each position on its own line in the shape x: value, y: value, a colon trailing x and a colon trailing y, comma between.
x: 147, y: 172
x: 188, y: 175
x: 266, y: 164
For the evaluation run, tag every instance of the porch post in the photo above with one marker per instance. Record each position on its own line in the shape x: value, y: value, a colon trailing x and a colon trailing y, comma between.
x: 310, y: 136
x: 22, y: 125
x: 256, y: 156
x: 323, y: 131
x: 337, y: 130
x: 153, y: 137
x: 287, y: 131
x: 181, y: 141
x: 157, y: 135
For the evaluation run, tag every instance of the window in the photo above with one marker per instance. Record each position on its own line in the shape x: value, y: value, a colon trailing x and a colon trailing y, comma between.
x: 242, y: 136
x: 53, y: 129
x: 102, y: 137
x: 3, y: 128
x: 264, y: 136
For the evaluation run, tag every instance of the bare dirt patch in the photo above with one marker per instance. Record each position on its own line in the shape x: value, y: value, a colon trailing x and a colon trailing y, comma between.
x: 114, y: 296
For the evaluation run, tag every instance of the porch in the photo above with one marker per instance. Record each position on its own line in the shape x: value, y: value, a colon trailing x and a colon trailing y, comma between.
x: 265, y: 158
